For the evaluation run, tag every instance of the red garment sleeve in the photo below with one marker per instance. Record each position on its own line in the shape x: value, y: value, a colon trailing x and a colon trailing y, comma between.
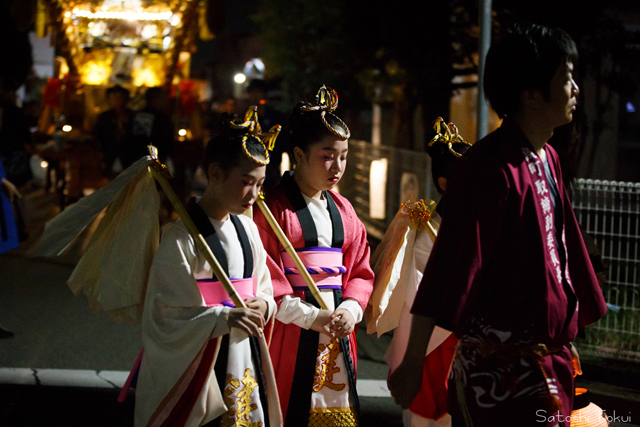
x: 358, y: 281
x: 476, y: 201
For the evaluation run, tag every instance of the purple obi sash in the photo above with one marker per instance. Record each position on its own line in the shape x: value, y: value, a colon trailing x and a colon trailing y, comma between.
x: 323, y: 264
x: 213, y: 292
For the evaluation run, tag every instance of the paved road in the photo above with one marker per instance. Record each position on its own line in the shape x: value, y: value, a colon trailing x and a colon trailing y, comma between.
x: 65, y: 363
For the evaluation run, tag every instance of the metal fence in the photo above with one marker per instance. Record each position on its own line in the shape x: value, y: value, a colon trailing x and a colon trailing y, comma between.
x: 608, y: 211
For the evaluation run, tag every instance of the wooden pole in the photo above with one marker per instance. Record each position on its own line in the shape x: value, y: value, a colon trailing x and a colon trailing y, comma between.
x: 431, y: 231
x: 284, y: 241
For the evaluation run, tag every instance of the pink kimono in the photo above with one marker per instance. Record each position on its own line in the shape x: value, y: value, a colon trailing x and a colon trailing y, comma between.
x: 357, y: 283
x: 509, y: 272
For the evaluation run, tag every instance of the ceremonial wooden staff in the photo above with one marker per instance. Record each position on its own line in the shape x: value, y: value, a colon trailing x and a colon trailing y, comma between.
x: 284, y: 241
x: 431, y: 231
x: 160, y: 173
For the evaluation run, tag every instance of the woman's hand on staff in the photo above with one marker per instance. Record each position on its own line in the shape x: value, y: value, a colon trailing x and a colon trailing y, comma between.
x: 259, y: 304
x: 322, y: 324
x: 342, y: 322
x: 248, y: 320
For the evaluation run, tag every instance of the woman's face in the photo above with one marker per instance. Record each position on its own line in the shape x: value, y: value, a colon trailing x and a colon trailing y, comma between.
x: 322, y: 166
x: 238, y: 188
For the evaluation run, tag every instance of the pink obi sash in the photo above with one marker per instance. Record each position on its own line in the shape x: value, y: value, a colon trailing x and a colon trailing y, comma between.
x: 214, y: 294
x: 323, y: 264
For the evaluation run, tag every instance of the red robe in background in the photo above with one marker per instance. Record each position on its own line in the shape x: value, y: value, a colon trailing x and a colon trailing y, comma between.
x: 501, y: 279
x: 357, y: 282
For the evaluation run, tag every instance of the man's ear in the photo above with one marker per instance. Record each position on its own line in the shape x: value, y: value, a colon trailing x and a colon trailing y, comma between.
x: 442, y: 182
x: 531, y: 98
x: 298, y: 154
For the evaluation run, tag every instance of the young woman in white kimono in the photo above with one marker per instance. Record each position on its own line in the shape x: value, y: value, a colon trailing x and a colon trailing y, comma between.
x: 201, y: 363
x: 398, y: 263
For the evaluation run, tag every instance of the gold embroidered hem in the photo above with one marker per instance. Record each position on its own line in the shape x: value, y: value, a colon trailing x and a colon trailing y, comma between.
x: 332, y: 417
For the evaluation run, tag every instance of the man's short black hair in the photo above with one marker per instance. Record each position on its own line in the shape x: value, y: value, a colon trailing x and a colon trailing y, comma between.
x: 117, y: 90
x: 526, y: 58
x: 152, y: 94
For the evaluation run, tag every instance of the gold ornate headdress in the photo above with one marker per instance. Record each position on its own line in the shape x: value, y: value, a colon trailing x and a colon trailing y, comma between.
x: 327, y: 102
x: 447, y: 134
x: 252, y: 126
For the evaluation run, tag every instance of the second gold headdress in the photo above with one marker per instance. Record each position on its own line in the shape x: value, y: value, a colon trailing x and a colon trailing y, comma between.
x: 327, y: 103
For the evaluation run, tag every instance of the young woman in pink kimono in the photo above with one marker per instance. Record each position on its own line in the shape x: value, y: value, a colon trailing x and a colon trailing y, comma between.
x: 314, y: 350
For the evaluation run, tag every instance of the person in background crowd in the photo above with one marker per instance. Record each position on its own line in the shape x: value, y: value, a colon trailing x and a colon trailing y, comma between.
x: 152, y: 125
x: 8, y: 230
x: 15, y: 146
x: 269, y: 116
x: 113, y: 130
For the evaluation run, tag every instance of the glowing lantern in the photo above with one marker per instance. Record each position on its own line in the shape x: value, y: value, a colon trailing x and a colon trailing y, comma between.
x: 585, y: 413
x: 95, y: 72
x: 378, y: 189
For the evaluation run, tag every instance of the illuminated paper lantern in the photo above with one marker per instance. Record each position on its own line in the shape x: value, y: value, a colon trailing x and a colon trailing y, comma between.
x: 378, y: 189
x: 586, y: 413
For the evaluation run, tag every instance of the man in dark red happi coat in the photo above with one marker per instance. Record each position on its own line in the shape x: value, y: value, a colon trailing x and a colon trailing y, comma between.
x: 509, y: 272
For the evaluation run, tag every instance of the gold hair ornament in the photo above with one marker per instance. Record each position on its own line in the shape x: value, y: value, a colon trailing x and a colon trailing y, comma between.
x: 252, y: 126
x: 327, y: 102
x: 419, y: 211
x: 447, y: 134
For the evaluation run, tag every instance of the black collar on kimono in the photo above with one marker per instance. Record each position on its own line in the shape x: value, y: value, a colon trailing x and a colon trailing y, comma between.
x: 309, y: 231
x: 205, y: 228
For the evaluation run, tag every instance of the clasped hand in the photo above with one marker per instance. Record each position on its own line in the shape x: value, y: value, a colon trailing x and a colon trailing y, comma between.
x: 338, y: 324
x: 250, y: 319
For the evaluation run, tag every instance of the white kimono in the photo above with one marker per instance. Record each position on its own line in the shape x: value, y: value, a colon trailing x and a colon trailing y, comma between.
x: 177, y: 326
x: 398, y: 263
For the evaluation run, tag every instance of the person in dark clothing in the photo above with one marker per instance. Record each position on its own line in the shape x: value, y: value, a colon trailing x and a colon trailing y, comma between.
x: 151, y: 125
x: 113, y: 130
x: 15, y: 138
x: 269, y: 116
x: 509, y: 268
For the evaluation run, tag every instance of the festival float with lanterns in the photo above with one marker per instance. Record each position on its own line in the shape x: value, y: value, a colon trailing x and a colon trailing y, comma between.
x: 135, y: 44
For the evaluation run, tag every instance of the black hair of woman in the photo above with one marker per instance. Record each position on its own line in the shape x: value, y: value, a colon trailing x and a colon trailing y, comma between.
x: 445, y: 149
